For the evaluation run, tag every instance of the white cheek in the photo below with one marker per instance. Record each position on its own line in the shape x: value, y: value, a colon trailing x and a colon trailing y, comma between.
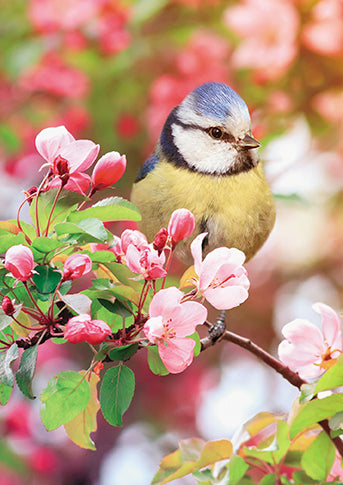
x: 202, y: 152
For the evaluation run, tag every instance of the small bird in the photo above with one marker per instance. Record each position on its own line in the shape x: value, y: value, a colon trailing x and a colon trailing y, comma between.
x: 206, y: 161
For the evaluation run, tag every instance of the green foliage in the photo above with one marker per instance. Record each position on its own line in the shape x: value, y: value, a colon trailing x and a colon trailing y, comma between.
x: 26, y: 371
x: 6, y: 361
x: 116, y: 393
x: 318, y: 458
x: 110, y: 209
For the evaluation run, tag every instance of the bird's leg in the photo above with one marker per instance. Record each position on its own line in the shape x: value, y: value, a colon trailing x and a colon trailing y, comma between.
x: 218, y: 328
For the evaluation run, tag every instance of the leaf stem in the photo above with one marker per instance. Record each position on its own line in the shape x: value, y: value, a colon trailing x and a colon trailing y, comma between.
x: 52, y: 209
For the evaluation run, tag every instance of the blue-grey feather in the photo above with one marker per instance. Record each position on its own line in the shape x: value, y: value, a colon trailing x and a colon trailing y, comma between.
x: 147, y: 167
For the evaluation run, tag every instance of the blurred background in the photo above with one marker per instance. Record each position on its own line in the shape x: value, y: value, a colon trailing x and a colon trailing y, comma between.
x: 111, y: 71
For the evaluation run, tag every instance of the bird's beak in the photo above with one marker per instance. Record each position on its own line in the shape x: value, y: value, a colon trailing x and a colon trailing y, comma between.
x: 249, y: 142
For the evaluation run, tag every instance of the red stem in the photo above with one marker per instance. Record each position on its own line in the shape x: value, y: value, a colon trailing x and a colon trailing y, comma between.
x: 52, y: 209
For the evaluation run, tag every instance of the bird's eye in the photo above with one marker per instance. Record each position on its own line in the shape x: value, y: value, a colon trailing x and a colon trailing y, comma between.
x: 216, y: 132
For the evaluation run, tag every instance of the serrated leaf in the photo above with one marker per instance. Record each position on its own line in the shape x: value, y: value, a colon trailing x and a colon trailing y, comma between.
x: 5, y: 394
x: 46, y: 245
x: 65, y: 396
x: 155, y: 363
x: 109, y: 209
x: 116, y: 393
x: 80, y: 428
x: 318, y: 458
x: 314, y: 411
x: 78, y: 302
x: 6, y: 360
x: 46, y: 279
x: 26, y: 371
x: 123, y: 353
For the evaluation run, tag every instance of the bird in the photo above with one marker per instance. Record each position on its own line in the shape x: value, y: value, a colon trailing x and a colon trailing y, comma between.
x: 206, y: 161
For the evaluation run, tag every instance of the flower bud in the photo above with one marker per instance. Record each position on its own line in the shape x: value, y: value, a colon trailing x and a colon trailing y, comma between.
x: 129, y: 236
x: 181, y: 225
x: 76, y: 266
x: 83, y: 329
x: 19, y: 261
x: 109, y: 169
x: 160, y: 240
x: 7, y: 306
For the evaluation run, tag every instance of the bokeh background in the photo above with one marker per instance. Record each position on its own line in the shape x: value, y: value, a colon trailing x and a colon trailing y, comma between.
x: 111, y: 71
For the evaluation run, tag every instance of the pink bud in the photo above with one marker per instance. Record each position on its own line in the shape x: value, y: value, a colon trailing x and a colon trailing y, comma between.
x: 160, y: 240
x: 7, y: 306
x: 76, y: 266
x: 181, y: 225
x: 19, y: 261
x: 108, y: 170
x: 83, y: 329
x: 137, y: 238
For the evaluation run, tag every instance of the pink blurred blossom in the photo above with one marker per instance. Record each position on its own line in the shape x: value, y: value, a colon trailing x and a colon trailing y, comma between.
x: 325, y: 33
x: 181, y: 225
x: 83, y: 329
x: 306, y: 349
x: 108, y: 170
x: 127, y: 126
x: 19, y: 261
x: 268, y: 30
x: 76, y: 266
x: 170, y: 324
x: 147, y: 262
x: 336, y: 472
x: 222, y: 279
x: 54, y: 76
x: 329, y: 104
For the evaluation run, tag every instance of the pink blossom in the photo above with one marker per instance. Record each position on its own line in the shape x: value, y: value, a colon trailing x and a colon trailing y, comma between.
x: 306, y: 349
x: 7, y: 306
x: 181, y: 225
x: 325, y: 33
x: 336, y: 472
x: 160, y: 240
x: 108, y: 170
x: 67, y: 157
x: 115, y: 247
x: 76, y: 266
x: 267, y: 46
x: 137, y: 238
x: 19, y: 261
x: 147, y: 261
x: 83, y: 329
x: 222, y: 279
x: 170, y: 324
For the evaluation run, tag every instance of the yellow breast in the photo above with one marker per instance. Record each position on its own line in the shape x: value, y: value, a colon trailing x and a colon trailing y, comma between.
x: 236, y: 210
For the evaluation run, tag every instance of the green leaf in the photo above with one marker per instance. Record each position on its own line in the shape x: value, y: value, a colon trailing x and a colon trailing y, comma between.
x: 332, y: 378
x: 65, y: 396
x: 7, y: 242
x: 116, y: 393
x: 116, y: 307
x: 102, y: 256
x: 155, y: 363
x: 5, y: 393
x: 237, y: 469
x: 318, y: 458
x: 67, y: 202
x: 6, y: 360
x: 26, y: 371
x: 80, y: 428
x: 314, y: 411
x: 91, y: 227
x: 109, y: 209
x: 123, y: 353
x: 46, y: 245
x: 269, y: 479
x: 47, y: 279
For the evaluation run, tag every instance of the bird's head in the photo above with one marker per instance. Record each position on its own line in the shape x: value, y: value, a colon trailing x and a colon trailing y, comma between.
x: 210, y: 132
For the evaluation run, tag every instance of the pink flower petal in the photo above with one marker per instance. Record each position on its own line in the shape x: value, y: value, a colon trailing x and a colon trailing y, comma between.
x: 306, y: 336
x: 186, y: 316
x: 133, y: 256
x: 196, y: 250
x: 177, y: 354
x: 164, y: 302
x: 108, y: 170
x: 50, y: 141
x: 154, y: 328
x: 227, y: 297
x: 218, y: 258
x: 289, y: 354
x: 80, y: 154
x: 331, y: 325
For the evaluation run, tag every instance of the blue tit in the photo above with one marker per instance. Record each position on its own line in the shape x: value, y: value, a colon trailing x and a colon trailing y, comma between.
x: 206, y: 161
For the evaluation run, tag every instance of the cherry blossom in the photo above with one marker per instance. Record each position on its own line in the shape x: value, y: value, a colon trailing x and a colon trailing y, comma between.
x: 170, y: 324
x: 115, y: 247
x: 181, y: 225
x: 108, y: 170
x: 306, y: 349
x: 147, y: 261
x: 19, y: 261
x: 137, y: 238
x: 76, y: 266
x: 222, y: 279
x: 83, y: 329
